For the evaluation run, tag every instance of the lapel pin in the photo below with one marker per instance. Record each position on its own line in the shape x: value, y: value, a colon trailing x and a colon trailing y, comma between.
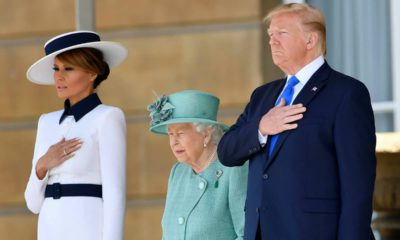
x: 314, y: 89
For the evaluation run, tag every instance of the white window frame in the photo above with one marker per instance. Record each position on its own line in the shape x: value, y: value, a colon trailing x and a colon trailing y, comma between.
x: 395, y: 47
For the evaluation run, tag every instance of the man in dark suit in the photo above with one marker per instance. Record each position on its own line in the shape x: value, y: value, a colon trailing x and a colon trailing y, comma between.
x: 310, y: 140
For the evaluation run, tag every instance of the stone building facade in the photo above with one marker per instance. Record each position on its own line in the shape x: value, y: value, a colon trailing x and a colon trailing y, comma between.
x: 217, y: 46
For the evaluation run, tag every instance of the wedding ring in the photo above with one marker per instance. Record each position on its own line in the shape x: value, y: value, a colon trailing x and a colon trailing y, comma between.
x: 65, y: 152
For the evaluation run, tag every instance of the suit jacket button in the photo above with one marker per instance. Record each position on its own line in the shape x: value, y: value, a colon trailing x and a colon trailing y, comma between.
x: 265, y: 176
x: 181, y: 220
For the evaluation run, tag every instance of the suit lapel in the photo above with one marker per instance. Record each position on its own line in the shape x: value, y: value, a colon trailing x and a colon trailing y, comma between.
x: 270, y: 97
x: 309, y: 91
x: 314, y: 85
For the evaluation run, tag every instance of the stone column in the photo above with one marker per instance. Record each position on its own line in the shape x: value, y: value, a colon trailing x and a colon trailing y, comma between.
x: 387, y: 186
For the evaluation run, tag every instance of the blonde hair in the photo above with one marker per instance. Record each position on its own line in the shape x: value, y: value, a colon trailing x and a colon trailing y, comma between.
x: 311, y: 18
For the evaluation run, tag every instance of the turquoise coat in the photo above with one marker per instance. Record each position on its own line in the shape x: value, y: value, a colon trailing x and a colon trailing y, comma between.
x: 208, y: 206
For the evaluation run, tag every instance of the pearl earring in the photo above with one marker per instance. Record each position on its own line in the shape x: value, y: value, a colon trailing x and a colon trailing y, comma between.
x: 205, y: 145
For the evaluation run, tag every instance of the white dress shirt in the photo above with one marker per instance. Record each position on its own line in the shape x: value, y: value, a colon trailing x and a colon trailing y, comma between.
x: 303, y: 76
x: 100, y: 160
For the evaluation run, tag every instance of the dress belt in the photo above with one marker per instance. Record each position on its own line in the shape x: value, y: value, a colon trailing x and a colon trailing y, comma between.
x: 57, y: 190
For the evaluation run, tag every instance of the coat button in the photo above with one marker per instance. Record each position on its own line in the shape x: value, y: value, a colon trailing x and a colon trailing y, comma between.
x: 265, y: 176
x: 201, y: 185
x: 181, y: 220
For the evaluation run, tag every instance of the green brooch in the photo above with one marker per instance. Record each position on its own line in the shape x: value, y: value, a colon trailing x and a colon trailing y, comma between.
x: 218, y: 174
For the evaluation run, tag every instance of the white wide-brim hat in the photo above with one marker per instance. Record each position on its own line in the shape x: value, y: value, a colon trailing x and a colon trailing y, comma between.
x: 41, y: 72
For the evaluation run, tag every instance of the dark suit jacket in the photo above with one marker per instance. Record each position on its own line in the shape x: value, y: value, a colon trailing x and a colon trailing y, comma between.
x: 319, y: 180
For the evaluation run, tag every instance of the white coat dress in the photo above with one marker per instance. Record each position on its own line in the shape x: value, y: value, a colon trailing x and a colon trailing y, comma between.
x: 100, y: 160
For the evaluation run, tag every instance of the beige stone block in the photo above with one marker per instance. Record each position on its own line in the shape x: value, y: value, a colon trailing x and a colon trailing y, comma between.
x: 18, y: 227
x: 35, y: 16
x: 19, y: 98
x: 122, y: 13
x: 143, y: 223
x: 388, y: 142
x: 225, y: 63
x: 388, y: 165
x: 229, y: 116
x: 16, y: 151
x: 46, y: 16
x: 149, y: 162
x: 387, y: 183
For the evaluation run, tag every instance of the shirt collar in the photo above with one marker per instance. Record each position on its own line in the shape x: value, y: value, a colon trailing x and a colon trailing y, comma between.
x: 81, y: 108
x: 307, y: 71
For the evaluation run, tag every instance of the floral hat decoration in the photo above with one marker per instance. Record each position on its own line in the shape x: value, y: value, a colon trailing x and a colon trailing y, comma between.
x: 183, y: 107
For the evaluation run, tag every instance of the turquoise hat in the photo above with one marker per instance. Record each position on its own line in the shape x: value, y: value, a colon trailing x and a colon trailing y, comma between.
x: 183, y: 107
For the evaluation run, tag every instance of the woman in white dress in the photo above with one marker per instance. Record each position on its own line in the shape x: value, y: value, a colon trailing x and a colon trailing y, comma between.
x: 77, y: 182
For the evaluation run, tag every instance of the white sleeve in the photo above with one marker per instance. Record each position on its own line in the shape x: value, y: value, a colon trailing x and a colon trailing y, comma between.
x: 112, y: 148
x: 34, y: 192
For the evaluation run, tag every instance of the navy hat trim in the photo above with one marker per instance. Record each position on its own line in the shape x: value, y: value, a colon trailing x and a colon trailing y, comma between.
x: 70, y: 40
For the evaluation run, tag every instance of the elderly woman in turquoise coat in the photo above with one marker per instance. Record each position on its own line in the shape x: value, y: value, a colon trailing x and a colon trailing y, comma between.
x: 205, y: 200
